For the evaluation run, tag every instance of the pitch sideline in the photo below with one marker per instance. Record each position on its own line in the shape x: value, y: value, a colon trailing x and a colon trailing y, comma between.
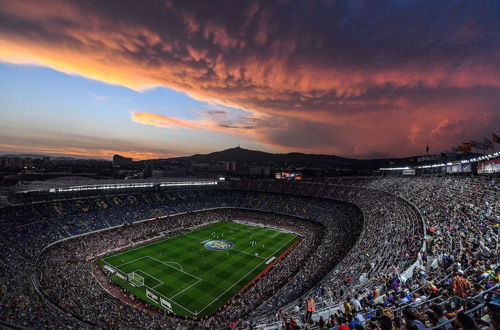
x: 153, y: 290
x: 199, y: 279
x: 210, y: 303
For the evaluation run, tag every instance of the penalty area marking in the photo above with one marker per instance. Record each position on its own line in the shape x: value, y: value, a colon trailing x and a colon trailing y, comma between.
x: 147, y: 274
x: 199, y: 279
x: 175, y: 263
x: 129, y: 262
x: 162, y: 295
x: 166, y: 263
x: 189, y: 287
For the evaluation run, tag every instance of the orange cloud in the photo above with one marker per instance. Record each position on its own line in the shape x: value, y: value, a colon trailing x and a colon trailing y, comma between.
x: 82, y: 152
x: 157, y: 120
x: 379, y: 91
x: 211, y: 121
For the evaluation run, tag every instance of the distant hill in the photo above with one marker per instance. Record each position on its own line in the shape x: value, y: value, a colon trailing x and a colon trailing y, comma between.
x: 294, y: 158
x: 22, y: 155
x: 249, y: 157
x: 52, y: 157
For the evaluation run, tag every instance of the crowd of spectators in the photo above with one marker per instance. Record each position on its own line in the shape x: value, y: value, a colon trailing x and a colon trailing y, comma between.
x: 391, y: 252
x: 66, y: 275
x: 454, y: 280
x: 26, y: 240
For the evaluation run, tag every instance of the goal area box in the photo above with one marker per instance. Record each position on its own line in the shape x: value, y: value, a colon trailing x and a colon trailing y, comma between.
x: 195, y: 273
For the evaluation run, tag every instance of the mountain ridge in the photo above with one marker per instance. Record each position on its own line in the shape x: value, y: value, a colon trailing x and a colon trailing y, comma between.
x: 255, y: 156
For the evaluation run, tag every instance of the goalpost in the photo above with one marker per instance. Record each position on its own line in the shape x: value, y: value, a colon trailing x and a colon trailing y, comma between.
x: 135, y: 279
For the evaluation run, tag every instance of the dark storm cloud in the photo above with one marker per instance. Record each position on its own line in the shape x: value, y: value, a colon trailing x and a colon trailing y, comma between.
x: 351, y: 77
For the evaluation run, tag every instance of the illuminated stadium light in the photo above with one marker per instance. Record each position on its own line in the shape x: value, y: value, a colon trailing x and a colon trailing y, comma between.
x: 464, y: 161
x: 188, y: 183
x: 133, y: 185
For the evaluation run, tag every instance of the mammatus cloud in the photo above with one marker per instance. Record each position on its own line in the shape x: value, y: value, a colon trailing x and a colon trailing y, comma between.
x: 345, y: 77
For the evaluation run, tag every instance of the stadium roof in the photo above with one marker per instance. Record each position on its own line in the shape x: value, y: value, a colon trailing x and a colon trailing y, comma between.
x: 79, y: 184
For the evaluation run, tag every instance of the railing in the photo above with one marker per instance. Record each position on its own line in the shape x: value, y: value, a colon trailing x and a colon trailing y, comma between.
x: 336, y: 306
x: 478, y: 307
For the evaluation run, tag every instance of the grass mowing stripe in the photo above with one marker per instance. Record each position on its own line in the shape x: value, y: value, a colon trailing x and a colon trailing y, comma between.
x: 240, y: 280
x: 195, y: 279
x: 150, y: 244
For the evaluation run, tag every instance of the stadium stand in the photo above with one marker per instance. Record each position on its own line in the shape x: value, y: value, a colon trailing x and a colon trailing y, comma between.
x: 378, y: 253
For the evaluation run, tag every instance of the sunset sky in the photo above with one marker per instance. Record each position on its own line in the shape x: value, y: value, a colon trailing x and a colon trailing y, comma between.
x: 151, y: 79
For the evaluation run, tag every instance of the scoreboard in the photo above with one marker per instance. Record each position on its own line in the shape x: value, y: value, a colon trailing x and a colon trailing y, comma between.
x: 296, y: 176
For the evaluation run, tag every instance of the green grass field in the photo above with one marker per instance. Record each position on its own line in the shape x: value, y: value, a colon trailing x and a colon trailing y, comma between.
x: 187, y: 273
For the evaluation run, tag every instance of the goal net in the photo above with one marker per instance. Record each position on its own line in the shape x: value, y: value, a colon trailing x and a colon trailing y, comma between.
x: 136, y: 279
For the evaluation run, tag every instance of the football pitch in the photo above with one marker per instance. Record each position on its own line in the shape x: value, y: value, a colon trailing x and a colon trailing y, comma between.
x: 197, y: 272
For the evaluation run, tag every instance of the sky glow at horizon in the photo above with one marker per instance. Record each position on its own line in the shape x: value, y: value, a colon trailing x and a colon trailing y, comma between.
x: 173, y: 78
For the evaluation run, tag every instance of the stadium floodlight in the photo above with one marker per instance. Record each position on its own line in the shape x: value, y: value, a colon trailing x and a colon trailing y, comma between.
x: 135, y: 279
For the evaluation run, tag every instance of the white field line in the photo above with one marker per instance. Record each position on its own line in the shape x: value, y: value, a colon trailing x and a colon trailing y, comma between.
x: 161, y: 295
x: 242, y: 278
x: 201, y: 228
x: 251, y: 232
x: 131, y: 261
x: 253, y: 255
x: 161, y: 282
x: 153, y: 290
x: 140, y: 245
x: 166, y: 264
x: 108, y: 291
x: 137, y: 247
x: 210, y: 303
x: 175, y: 263
x: 110, y: 265
x: 250, y: 224
x: 189, y: 287
x: 196, y: 238
x: 277, y: 232
x: 139, y: 270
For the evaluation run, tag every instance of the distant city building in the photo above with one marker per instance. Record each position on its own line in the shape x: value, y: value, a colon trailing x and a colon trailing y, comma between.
x: 11, y: 162
x: 157, y: 173
x: 200, y: 166
x: 120, y: 161
x: 27, y: 163
x: 259, y: 171
x: 229, y: 165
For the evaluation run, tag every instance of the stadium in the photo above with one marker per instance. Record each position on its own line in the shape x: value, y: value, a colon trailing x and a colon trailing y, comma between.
x: 249, y: 253
x: 252, y: 164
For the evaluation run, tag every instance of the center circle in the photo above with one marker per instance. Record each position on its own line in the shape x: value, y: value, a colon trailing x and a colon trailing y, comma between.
x: 219, y: 245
